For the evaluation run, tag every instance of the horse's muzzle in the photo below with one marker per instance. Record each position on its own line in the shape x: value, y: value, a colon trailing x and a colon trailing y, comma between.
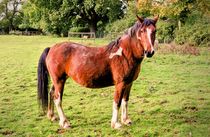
x: 150, y: 54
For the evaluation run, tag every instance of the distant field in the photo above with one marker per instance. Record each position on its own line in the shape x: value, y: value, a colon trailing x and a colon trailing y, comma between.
x: 171, y: 97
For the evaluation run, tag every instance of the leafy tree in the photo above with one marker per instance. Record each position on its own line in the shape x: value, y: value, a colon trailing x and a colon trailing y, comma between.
x: 10, y: 15
x: 57, y: 16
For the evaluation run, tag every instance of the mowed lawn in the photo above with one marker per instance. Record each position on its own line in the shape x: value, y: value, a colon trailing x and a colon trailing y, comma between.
x: 171, y: 96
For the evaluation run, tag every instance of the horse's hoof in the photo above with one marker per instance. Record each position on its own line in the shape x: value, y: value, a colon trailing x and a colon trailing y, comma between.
x: 116, y: 125
x: 65, y: 125
x: 127, y: 122
x: 52, y: 117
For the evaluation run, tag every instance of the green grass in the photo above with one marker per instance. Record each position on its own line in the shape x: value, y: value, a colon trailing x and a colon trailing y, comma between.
x: 171, y: 97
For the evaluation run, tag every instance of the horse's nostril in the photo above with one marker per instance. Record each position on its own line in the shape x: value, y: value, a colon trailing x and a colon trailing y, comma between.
x: 150, y: 54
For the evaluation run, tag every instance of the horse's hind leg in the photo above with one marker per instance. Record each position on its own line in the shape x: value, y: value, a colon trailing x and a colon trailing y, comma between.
x: 50, y: 113
x: 58, y: 93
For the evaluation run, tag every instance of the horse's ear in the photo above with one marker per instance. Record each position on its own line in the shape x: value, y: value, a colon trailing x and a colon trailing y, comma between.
x: 156, y: 18
x: 140, y: 19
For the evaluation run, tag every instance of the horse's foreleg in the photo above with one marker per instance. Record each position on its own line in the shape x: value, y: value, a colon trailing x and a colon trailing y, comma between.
x: 124, y: 116
x: 58, y: 103
x: 50, y: 112
x: 118, y: 94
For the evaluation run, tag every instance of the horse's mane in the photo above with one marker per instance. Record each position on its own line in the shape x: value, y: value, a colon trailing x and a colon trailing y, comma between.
x: 131, y: 32
x: 113, y: 44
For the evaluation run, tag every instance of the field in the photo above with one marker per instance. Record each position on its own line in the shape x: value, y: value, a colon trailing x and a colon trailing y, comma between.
x: 171, y: 97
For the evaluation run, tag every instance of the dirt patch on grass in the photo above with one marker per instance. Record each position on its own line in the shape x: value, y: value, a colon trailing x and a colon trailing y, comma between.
x: 7, y: 132
x: 190, y: 108
x: 60, y: 131
x: 179, y: 49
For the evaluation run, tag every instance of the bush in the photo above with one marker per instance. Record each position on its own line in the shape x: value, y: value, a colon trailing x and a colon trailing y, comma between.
x: 165, y: 31
x: 197, y: 34
x: 119, y: 26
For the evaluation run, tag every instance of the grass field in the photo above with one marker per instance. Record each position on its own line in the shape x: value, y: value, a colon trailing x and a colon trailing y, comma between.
x: 171, y: 97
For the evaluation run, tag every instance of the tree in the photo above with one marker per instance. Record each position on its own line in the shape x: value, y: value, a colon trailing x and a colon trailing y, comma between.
x: 91, y: 12
x: 183, y: 20
x: 10, y: 15
x: 57, y: 16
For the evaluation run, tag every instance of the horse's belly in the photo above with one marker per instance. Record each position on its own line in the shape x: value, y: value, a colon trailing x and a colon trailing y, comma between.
x: 92, y: 76
x: 94, y: 81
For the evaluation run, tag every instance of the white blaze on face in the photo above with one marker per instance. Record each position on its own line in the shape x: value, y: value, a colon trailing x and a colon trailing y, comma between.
x: 137, y: 35
x: 149, y: 32
x: 118, y: 53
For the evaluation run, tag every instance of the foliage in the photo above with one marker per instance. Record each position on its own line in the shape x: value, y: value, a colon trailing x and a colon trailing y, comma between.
x: 51, y: 18
x: 165, y: 30
x: 121, y: 25
x: 10, y: 14
x: 195, y: 33
x: 169, y: 98
x: 58, y: 17
x: 179, y: 20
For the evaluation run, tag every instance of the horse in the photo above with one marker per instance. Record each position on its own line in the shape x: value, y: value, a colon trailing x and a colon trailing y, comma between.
x: 117, y: 64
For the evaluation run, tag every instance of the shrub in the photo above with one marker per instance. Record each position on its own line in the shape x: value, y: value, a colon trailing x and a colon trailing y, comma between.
x: 165, y: 31
x: 120, y: 25
x: 127, y: 21
x: 197, y: 33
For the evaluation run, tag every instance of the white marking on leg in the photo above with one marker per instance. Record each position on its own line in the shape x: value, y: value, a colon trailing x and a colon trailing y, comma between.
x: 124, y: 116
x: 114, y: 123
x: 63, y: 121
x: 114, y: 113
x: 124, y: 110
x: 118, y: 53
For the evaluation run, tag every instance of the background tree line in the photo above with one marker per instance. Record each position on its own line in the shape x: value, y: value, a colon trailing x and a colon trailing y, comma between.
x: 183, y: 21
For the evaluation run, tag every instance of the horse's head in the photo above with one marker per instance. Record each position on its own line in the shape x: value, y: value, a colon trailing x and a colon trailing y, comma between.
x: 146, y: 34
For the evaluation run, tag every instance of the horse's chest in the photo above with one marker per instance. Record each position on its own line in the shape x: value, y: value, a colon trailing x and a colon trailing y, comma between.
x: 125, y: 70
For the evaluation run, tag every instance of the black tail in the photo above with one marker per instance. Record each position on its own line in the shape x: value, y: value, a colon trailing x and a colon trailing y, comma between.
x: 43, y: 81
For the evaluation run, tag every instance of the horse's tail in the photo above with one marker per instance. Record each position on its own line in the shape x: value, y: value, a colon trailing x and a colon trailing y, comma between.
x: 42, y: 86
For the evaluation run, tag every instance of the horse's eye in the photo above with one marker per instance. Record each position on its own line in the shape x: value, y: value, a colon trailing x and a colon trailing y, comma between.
x: 153, y: 32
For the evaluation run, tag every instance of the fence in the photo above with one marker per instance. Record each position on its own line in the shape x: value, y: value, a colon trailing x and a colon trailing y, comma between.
x: 84, y: 35
x: 29, y: 33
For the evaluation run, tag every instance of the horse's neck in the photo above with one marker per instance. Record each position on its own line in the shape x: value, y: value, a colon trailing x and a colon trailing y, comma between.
x: 136, y: 49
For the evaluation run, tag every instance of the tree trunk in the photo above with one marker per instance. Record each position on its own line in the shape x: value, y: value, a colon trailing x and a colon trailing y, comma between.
x: 179, y: 24
x: 93, y: 26
x: 65, y: 34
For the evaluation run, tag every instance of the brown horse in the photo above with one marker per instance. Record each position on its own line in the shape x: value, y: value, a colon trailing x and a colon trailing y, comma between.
x: 117, y: 64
